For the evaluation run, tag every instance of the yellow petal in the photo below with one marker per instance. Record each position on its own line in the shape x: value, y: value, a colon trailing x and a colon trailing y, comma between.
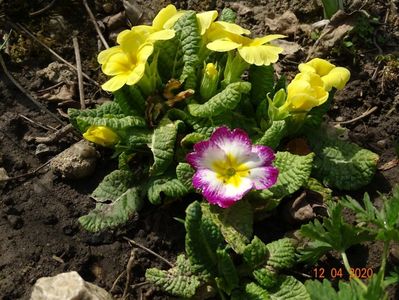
x: 231, y: 27
x: 171, y: 22
x: 163, y: 16
x: 131, y: 40
x: 101, y: 135
x: 222, y: 45
x: 115, y: 83
x: 166, y: 34
x: 144, y: 52
x: 104, y: 55
x: 205, y: 20
x: 260, y: 55
x: 266, y: 39
x: 338, y: 77
x: 302, y: 96
x: 321, y: 66
x: 117, y: 63
x: 136, y: 74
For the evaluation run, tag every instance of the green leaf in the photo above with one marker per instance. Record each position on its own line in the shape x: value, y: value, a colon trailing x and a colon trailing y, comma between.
x: 203, y: 238
x: 273, y: 134
x: 162, y: 146
x: 255, y: 292
x: 333, y: 234
x: 178, y: 285
x: 315, y: 186
x: 325, y: 291
x: 228, y: 279
x: 289, y: 288
x: 164, y: 185
x: 113, y: 186
x: 294, y: 171
x: 343, y: 165
x: 130, y: 100
x: 170, y: 62
x: 281, y: 254
x: 192, y: 138
x: 224, y: 101
x: 188, y: 33
x: 262, y: 82
x: 185, y: 175
x: 256, y: 253
x: 137, y: 138
x: 111, y: 215
x: 266, y: 277
x: 228, y: 15
x: 235, y: 223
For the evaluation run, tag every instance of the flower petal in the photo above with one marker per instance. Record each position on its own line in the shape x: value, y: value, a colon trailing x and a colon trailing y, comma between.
x: 321, y: 66
x: 118, y: 63
x: 265, y: 154
x: 264, y: 177
x: 162, y: 35
x: 231, y: 27
x: 236, y: 143
x: 222, y: 45
x: 163, y: 16
x: 136, y: 74
x: 171, y: 22
x: 338, y: 77
x: 205, y: 155
x: 104, y: 55
x: 205, y: 20
x: 266, y: 39
x: 216, y: 192
x: 115, y: 83
x: 260, y: 55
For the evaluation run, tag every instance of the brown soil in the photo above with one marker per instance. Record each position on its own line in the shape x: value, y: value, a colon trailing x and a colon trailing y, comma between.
x: 39, y: 232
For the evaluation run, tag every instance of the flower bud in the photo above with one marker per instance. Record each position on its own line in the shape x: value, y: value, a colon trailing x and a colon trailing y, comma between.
x: 101, y: 135
x: 210, y: 81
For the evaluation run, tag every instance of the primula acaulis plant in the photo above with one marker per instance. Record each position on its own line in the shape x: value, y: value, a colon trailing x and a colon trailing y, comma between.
x: 197, y: 108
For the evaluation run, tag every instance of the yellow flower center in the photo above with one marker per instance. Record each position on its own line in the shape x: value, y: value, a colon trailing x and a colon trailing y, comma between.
x: 230, y: 171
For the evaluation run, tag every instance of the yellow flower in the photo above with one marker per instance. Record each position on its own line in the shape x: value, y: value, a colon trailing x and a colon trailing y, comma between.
x: 205, y: 20
x: 161, y: 25
x: 101, y: 135
x: 211, y: 70
x: 255, y: 51
x: 304, y: 92
x: 331, y: 75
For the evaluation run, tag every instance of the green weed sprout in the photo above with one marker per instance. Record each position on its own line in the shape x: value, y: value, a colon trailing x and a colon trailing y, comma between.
x: 331, y: 7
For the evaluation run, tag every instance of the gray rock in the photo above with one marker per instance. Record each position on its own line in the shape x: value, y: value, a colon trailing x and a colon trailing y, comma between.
x: 67, y: 286
x: 76, y: 162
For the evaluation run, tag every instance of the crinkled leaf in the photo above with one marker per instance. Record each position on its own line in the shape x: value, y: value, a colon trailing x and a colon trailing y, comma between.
x: 224, y: 101
x: 281, y: 254
x: 114, y: 214
x: 289, y: 288
x: 192, y: 138
x: 113, y: 186
x: 266, y: 277
x: 162, y: 146
x: 262, y: 82
x: 130, y: 100
x: 189, y: 36
x: 164, y: 185
x: 203, y: 238
x: 178, y: 285
x: 185, y: 175
x: 228, y: 277
x: 315, y: 186
x: 255, y: 292
x: 228, y: 15
x: 273, y: 134
x: 325, y: 291
x: 137, y: 137
x: 235, y: 223
x: 294, y: 171
x: 255, y: 254
x: 340, y: 164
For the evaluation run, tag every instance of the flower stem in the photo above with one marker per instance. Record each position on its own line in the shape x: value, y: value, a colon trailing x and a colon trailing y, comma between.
x: 348, y: 269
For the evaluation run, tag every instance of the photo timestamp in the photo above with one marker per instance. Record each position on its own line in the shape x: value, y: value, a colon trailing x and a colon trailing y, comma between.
x: 341, y: 273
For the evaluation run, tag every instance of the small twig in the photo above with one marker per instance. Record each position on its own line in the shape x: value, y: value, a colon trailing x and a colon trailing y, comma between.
x: 45, y: 127
x: 149, y: 251
x: 19, y: 26
x: 79, y: 69
x: 365, y: 114
x: 129, y: 267
x: 31, y: 173
x: 116, y: 281
x: 21, y: 88
x: 50, y: 88
x: 42, y: 10
x: 93, y: 19
x: 60, y: 133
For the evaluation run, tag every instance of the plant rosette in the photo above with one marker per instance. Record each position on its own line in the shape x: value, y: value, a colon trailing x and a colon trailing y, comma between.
x: 185, y: 120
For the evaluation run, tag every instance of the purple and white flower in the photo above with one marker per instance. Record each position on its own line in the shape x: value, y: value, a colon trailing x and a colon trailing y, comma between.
x: 228, y: 166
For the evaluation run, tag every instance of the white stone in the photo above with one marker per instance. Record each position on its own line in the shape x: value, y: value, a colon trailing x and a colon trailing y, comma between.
x: 67, y: 286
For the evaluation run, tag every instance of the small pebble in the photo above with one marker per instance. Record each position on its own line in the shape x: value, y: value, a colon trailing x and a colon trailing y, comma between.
x: 382, y: 143
x: 16, y: 222
x: 42, y: 149
x: 339, y: 119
